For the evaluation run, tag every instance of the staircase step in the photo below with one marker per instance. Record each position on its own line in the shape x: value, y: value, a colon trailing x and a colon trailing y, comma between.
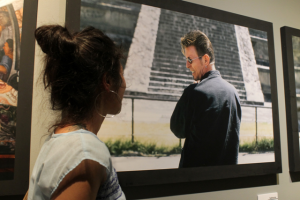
x: 165, y: 90
x: 169, y: 85
x: 171, y: 80
x: 174, y: 75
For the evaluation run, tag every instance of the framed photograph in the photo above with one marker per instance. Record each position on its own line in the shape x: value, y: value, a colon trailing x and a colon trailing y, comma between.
x: 144, y: 150
x: 290, y: 41
x: 17, y: 25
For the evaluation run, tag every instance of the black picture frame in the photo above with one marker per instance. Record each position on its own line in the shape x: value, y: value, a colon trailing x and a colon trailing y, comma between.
x: 290, y: 99
x: 19, y: 184
x: 157, y: 183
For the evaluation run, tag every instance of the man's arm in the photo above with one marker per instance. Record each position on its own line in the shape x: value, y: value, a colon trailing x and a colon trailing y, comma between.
x: 179, y: 116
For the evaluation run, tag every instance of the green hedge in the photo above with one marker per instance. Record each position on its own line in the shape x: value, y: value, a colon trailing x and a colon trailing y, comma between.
x: 119, y: 147
x: 127, y: 148
x: 262, y: 145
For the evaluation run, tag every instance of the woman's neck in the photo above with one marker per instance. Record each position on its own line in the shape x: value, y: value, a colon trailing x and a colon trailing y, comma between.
x: 68, y: 128
x: 93, y: 125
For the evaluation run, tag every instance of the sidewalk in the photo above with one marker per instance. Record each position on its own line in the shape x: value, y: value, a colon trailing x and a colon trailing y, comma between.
x: 149, y: 163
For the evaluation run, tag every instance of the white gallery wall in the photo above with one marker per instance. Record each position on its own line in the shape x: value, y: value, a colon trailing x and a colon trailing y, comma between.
x: 279, y: 12
x: 49, y: 12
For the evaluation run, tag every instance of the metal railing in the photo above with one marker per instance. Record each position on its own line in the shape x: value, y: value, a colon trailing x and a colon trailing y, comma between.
x: 141, y: 98
x: 256, y: 132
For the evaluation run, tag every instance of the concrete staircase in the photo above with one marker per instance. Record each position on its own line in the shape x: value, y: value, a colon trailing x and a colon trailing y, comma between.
x: 169, y: 75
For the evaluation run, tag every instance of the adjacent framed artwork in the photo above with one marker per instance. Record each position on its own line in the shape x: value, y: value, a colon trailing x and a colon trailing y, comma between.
x: 144, y: 151
x: 290, y: 42
x: 17, y: 43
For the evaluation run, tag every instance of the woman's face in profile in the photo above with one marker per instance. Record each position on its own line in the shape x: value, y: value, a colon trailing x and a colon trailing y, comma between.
x: 112, y: 101
x: 123, y: 85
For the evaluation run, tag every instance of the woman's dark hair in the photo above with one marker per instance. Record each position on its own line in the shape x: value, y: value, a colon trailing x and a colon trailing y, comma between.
x: 74, y: 68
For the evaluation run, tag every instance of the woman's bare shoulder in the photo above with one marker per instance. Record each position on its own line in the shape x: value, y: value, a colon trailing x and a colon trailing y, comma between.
x: 82, y: 182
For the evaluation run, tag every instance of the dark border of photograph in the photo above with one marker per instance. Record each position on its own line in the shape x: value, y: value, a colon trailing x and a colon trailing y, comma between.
x: 158, y: 183
x: 291, y: 100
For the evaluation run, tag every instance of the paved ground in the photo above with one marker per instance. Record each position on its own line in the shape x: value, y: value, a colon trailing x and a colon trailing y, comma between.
x: 147, y: 163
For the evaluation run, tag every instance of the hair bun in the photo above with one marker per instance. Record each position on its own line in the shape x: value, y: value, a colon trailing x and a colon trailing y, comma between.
x: 55, y: 40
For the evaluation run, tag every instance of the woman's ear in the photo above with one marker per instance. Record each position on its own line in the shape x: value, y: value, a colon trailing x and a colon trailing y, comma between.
x: 106, y: 81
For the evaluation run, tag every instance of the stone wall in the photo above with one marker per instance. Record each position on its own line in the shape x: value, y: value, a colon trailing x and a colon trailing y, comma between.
x: 248, y: 65
x: 296, y: 55
x: 259, y: 41
x: 141, y: 52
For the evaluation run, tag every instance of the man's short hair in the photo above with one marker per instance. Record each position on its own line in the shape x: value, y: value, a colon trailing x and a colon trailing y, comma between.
x: 200, y: 41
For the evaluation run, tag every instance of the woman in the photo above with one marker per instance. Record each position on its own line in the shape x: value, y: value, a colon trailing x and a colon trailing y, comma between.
x: 86, y: 83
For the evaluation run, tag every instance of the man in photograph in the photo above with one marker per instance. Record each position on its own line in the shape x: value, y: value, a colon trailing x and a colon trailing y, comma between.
x: 208, y: 114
